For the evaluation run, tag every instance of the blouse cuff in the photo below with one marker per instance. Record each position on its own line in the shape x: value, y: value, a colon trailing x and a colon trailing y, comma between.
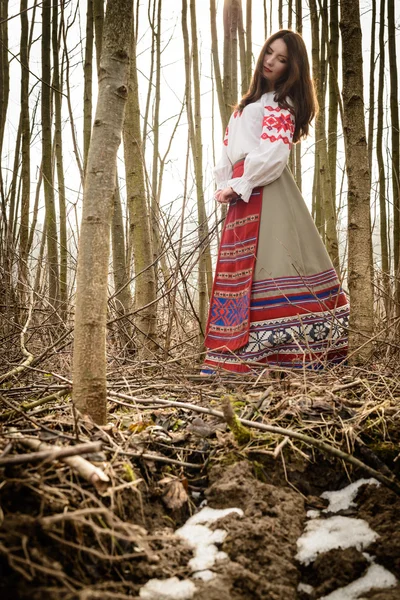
x: 221, y: 185
x: 242, y: 187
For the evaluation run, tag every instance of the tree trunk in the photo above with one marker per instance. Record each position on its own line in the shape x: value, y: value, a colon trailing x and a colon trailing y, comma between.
x: 25, y: 158
x: 381, y: 165
x: 394, y: 117
x: 333, y: 99
x: 371, y: 111
x: 88, y: 76
x: 227, y: 81
x: 249, y: 41
x: 318, y: 54
x: 242, y: 52
x: 123, y: 297
x: 140, y: 241
x: 155, y: 207
x: 358, y: 175
x: 299, y: 29
x: 47, y: 154
x: 234, y: 51
x: 265, y: 19
x: 57, y: 95
x: 89, y: 388
x: 205, y: 266
x: 217, y: 70
x: 98, y: 21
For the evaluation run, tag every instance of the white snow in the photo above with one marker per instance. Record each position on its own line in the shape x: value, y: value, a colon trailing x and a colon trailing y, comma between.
x: 304, y: 587
x: 321, y: 535
x: 204, y: 575
x: 202, y: 540
x: 342, y: 499
x: 168, y: 589
x: 377, y: 577
x: 313, y: 514
x: 210, y: 515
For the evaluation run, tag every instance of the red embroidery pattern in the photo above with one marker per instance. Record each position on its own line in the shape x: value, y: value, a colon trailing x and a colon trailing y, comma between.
x: 272, y: 138
x: 277, y: 108
x: 226, y: 136
x: 282, y: 122
x: 278, y: 123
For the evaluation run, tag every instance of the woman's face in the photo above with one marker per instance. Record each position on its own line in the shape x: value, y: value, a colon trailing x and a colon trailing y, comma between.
x: 276, y: 61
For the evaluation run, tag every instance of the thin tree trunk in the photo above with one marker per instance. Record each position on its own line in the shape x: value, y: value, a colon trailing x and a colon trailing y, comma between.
x: 265, y: 19
x: 234, y: 51
x: 394, y: 116
x: 242, y: 51
x: 318, y: 54
x: 217, y: 70
x: 371, y: 111
x: 89, y: 361
x: 333, y: 99
x: 227, y: 80
x: 98, y: 21
x: 299, y: 29
x: 123, y: 295
x: 57, y: 95
x: 205, y: 266
x: 358, y: 175
x: 88, y: 76
x: 140, y: 240
x: 25, y: 158
x: 381, y: 164
x: 249, y: 41
x: 47, y: 153
x: 155, y: 207
x: 4, y: 88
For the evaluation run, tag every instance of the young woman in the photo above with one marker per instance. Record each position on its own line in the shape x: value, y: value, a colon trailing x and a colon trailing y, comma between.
x: 276, y: 297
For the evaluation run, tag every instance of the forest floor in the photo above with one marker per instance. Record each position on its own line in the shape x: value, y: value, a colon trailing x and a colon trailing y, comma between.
x: 108, y: 525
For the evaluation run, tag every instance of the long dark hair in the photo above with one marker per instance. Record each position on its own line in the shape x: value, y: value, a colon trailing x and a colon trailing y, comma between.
x: 295, y: 83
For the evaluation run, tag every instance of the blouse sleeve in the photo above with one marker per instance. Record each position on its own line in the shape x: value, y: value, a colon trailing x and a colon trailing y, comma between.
x: 267, y: 161
x: 223, y: 169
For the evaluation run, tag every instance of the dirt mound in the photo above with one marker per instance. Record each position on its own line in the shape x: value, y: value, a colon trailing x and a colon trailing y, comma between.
x: 262, y: 544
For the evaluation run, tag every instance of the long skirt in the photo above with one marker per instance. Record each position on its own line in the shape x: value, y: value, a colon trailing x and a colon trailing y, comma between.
x: 277, y: 300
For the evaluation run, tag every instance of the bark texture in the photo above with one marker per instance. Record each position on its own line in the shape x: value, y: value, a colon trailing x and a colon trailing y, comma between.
x: 140, y: 241
x: 89, y: 363
x: 358, y: 175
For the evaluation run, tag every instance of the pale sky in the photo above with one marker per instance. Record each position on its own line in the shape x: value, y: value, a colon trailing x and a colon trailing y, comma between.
x: 172, y: 91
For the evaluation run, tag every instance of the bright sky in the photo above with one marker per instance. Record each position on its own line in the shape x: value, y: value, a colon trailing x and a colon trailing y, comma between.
x: 172, y: 91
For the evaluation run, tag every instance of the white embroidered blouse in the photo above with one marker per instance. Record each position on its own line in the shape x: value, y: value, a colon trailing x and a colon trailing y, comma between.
x: 262, y: 134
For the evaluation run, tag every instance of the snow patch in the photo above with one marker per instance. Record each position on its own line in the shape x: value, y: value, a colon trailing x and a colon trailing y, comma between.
x: 343, y: 499
x: 206, y: 575
x: 377, y: 577
x: 304, y: 587
x: 335, y: 532
x: 313, y: 514
x: 202, y: 540
x: 168, y: 589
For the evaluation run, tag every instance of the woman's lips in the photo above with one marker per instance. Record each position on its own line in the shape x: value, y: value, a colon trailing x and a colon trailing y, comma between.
x: 268, y: 70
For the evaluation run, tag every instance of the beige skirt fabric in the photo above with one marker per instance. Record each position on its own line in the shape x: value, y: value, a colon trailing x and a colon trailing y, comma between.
x: 298, y: 310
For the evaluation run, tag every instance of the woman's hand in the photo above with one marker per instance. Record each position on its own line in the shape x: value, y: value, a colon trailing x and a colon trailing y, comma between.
x: 225, y: 196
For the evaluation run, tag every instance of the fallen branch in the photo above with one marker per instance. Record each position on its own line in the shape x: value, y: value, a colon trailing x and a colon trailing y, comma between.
x: 82, y: 466
x: 54, y: 453
x: 391, y: 482
x: 35, y: 403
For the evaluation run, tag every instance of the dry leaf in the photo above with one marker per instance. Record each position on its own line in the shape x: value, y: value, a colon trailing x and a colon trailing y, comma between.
x: 173, y: 493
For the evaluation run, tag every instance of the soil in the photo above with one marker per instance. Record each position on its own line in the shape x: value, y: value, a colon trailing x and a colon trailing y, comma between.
x: 261, y: 545
x: 112, y: 555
